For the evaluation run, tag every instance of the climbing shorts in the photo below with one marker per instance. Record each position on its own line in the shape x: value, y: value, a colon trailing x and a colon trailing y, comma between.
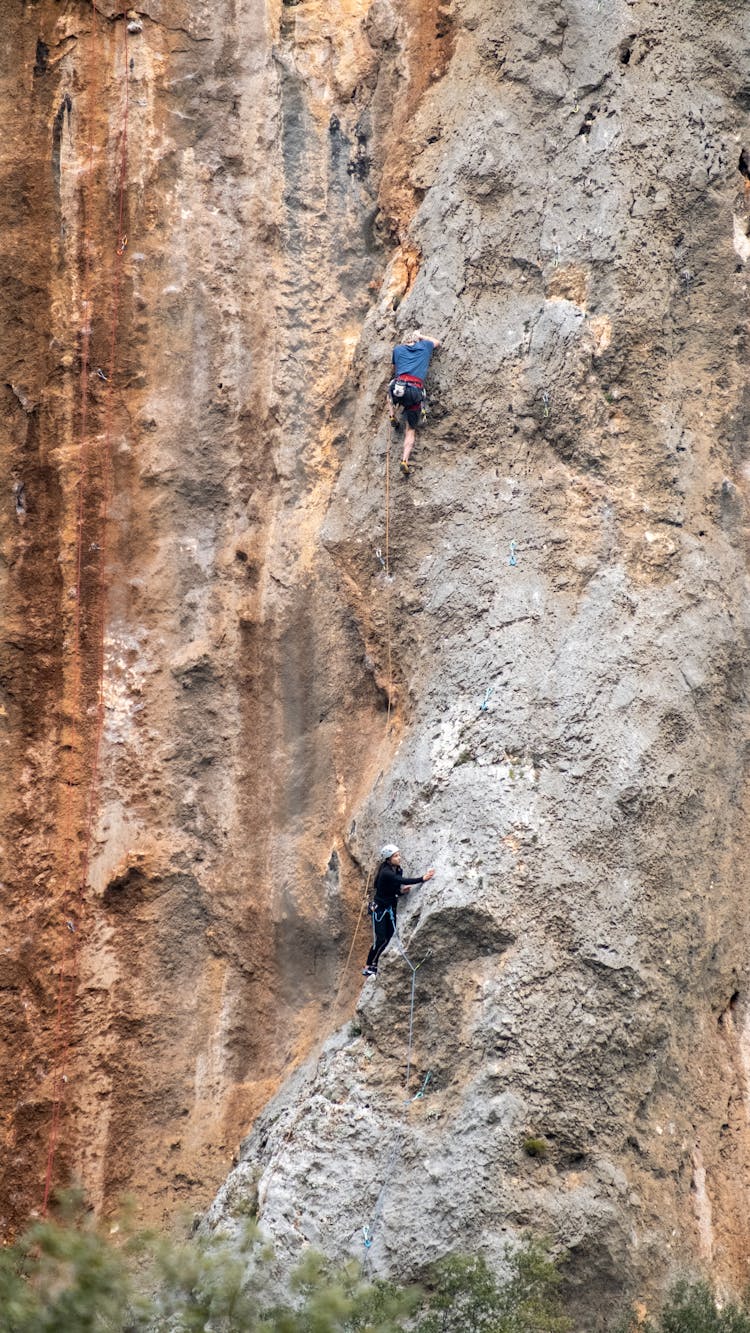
x: 409, y: 396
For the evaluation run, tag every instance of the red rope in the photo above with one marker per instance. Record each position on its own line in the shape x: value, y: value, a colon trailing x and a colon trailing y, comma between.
x: 69, y: 969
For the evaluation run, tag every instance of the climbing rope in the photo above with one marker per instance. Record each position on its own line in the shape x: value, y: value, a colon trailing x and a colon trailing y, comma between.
x: 364, y: 903
x: 386, y: 567
x: 77, y: 871
x: 351, y: 951
x: 368, y: 1231
x: 383, y: 557
x: 419, y: 1095
x: 411, y: 1028
x: 414, y: 968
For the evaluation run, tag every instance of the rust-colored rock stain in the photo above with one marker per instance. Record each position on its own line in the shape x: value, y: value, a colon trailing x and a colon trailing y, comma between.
x: 187, y: 721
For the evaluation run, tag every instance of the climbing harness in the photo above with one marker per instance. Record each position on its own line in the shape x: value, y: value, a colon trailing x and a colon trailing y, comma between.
x: 408, y: 392
x: 513, y: 560
x: 401, y: 386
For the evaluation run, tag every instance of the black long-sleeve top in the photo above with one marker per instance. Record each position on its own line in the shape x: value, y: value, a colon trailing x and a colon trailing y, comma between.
x: 390, y: 884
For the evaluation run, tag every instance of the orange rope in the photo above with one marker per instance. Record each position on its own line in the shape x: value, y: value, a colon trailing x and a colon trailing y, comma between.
x: 390, y: 668
x: 388, y: 570
x: 351, y: 951
x: 70, y: 965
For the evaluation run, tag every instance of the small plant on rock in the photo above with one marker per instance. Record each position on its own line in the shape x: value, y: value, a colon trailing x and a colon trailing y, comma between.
x: 534, y: 1147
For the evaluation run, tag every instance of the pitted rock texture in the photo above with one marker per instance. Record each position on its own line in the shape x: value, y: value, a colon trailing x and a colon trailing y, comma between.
x: 585, y: 947
x: 553, y: 192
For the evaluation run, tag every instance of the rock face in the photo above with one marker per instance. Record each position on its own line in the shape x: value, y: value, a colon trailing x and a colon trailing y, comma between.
x: 218, y: 704
x: 189, y: 243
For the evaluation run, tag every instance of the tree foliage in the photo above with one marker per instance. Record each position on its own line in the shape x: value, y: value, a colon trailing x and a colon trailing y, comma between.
x: 693, y: 1308
x: 467, y: 1297
x: 72, y: 1274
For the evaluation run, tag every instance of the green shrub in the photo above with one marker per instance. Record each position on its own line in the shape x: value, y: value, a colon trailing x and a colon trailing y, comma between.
x: 71, y: 1274
x: 66, y: 1274
x: 466, y: 1296
x: 692, y: 1308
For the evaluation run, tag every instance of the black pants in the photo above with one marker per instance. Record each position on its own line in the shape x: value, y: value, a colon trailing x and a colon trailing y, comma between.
x: 383, y: 926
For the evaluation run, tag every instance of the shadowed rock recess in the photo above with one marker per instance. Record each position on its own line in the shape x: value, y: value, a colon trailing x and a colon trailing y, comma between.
x: 200, y: 643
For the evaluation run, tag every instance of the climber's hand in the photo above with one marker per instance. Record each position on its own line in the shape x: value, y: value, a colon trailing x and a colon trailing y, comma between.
x: 429, y: 874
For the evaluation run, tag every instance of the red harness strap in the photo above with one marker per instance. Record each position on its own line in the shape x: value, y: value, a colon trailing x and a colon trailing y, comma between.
x: 411, y: 379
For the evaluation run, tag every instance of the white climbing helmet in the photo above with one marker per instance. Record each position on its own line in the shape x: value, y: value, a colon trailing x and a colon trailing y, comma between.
x: 388, y: 851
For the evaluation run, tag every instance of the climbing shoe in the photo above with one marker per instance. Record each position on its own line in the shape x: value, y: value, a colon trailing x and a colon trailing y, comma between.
x: 404, y: 468
x: 369, y: 971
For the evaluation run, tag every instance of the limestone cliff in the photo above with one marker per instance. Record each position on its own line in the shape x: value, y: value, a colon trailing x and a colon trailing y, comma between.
x: 217, y: 220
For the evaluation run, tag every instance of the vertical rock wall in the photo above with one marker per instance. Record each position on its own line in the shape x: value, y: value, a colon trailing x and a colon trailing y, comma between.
x: 188, y: 724
x: 573, y: 758
x: 197, y: 627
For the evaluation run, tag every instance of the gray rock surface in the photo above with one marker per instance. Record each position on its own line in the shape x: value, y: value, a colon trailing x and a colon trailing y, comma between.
x: 572, y: 757
x: 216, y: 705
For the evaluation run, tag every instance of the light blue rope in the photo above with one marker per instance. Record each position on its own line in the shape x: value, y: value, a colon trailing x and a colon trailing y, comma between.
x: 417, y: 1097
x: 368, y: 1231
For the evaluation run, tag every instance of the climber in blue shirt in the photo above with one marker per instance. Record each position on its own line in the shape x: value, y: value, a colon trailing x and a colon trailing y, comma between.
x: 411, y: 361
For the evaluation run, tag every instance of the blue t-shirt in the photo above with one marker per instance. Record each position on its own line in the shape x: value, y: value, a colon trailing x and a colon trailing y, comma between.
x: 413, y: 359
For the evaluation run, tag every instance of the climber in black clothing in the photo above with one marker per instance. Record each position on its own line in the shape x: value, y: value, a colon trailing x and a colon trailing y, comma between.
x: 389, y: 887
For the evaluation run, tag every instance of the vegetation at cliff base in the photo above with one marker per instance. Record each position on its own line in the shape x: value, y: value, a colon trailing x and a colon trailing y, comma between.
x: 693, y: 1308
x: 467, y: 1297
x: 72, y: 1274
